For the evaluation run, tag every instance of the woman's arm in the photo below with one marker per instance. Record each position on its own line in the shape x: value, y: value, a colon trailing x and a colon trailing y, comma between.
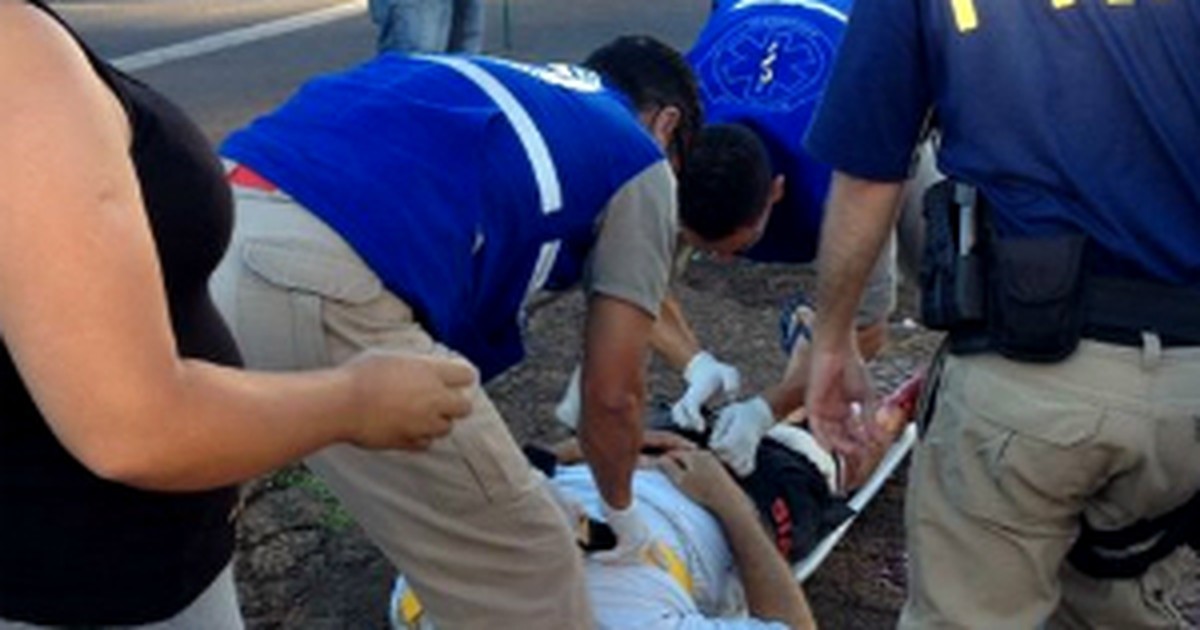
x: 84, y: 316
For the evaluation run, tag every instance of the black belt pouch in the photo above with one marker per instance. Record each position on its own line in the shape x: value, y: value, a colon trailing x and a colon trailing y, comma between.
x: 1035, y: 310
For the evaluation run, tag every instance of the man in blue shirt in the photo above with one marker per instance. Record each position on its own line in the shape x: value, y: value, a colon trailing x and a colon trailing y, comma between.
x: 763, y: 64
x: 1076, y: 127
x: 416, y: 203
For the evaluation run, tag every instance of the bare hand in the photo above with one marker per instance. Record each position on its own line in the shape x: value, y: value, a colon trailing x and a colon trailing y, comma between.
x: 406, y: 401
x: 838, y: 389
x: 701, y: 476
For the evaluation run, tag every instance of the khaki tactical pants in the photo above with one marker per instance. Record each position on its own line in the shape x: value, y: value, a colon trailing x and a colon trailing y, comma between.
x: 481, y: 541
x: 1016, y: 454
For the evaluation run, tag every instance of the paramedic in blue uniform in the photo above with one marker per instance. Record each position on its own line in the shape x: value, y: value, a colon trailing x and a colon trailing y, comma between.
x: 1076, y: 127
x: 416, y: 203
x: 764, y: 64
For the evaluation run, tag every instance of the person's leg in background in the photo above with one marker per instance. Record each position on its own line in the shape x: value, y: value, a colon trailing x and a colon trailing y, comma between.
x: 466, y: 27
x: 411, y: 26
x: 481, y: 541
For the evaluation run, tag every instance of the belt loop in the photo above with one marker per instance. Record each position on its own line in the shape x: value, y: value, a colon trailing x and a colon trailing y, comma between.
x: 1151, y: 350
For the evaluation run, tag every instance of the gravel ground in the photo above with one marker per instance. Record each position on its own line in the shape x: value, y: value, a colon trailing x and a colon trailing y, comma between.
x: 304, y: 565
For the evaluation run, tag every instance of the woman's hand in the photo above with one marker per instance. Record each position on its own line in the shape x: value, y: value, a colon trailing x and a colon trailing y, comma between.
x: 406, y: 400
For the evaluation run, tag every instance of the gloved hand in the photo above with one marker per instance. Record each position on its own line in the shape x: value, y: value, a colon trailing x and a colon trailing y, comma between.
x: 635, y: 544
x: 737, y: 432
x: 569, y: 408
x: 706, y: 377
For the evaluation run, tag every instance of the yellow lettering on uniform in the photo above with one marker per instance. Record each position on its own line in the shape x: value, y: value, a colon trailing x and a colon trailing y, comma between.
x: 965, y: 17
x: 1063, y: 4
x: 1120, y: 3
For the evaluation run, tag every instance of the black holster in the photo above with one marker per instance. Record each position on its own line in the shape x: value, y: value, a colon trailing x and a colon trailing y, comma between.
x: 1021, y: 297
x: 951, y: 280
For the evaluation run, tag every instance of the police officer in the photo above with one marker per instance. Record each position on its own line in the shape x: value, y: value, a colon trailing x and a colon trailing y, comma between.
x: 416, y: 203
x: 1068, y: 408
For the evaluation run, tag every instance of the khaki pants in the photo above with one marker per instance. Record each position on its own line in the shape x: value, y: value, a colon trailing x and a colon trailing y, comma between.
x: 1016, y: 453
x: 466, y: 521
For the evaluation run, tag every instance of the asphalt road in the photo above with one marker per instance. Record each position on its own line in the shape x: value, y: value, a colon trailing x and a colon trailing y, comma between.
x: 226, y: 88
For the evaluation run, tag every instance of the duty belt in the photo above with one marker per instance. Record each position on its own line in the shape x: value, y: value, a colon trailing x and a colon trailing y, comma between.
x: 1118, y: 310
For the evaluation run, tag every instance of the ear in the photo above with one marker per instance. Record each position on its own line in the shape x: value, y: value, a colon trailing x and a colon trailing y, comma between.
x: 663, y: 124
x: 777, y: 189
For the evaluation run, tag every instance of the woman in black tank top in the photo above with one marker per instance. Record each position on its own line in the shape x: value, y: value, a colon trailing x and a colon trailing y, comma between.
x: 125, y: 425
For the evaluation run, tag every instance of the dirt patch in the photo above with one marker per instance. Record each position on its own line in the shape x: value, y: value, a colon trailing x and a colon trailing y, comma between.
x: 304, y: 565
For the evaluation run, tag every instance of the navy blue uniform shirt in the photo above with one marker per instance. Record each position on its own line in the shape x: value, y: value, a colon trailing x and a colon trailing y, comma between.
x: 1069, y: 115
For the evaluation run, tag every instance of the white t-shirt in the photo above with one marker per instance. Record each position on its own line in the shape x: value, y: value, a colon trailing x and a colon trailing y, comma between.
x: 635, y: 597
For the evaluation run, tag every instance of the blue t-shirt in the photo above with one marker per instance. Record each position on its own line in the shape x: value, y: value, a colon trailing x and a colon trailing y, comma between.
x: 465, y: 183
x: 764, y: 64
x: 1078, y: 118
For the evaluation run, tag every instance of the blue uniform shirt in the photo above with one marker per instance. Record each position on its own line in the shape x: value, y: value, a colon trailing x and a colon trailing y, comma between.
x: 464, y: 183
x: 1080, y: 117
x: 764, y: 63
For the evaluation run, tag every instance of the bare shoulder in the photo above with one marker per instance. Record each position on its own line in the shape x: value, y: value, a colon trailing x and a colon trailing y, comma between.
x: 56, y: 93
x: 28, y: 33
x: 42, y: 59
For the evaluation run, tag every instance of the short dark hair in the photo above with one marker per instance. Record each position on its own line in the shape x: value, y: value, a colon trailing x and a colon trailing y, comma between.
x: 651, y: 74
x: 725, y: 182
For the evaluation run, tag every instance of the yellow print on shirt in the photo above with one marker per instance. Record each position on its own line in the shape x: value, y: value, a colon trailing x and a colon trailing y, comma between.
x: 966, y: 18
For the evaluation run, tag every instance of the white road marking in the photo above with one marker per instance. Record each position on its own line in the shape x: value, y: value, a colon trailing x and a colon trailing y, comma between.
x: 238, y: 37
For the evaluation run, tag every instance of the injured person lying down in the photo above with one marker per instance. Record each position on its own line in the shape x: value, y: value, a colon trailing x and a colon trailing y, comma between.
x: 721, y: 548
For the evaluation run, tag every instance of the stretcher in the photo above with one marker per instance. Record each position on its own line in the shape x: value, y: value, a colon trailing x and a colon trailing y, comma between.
x: 896, y: 414
x: 858, y: 502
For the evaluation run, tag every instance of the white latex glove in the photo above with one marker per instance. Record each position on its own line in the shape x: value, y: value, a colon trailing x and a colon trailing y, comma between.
x: 706, y: 377
x: 737, y: 432
x: 635, y: 544
x: 569, y: 408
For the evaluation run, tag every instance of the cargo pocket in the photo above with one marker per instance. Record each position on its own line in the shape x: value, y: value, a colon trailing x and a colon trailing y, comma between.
x: 287, y: 329
x: 1026, y: 453
x: 497, y: 472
